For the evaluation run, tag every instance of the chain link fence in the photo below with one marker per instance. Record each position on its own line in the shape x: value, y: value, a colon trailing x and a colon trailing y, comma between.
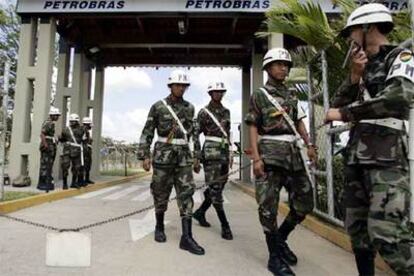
x: 119, y: 159
x: 328, y: 172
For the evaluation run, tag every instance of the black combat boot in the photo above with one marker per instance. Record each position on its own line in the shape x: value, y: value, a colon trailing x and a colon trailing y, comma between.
x: 225, y: 227
x: 81, y: 180
x: 88, y: 179
x: 159, y: 235
x: 286, y: 253
x: 65, y: 183
x: 276, y: 264
x: 51, y: 183
x: 74, y: 183
x: 365, y: 261
x: 200, y: 213
x: 42, y: 185
x: 187, y: 242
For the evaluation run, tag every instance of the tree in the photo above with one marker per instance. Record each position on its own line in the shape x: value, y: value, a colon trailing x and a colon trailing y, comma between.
x: 9, y: 43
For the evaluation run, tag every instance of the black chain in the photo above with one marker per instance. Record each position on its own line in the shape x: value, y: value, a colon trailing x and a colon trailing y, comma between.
x: 113, y: 219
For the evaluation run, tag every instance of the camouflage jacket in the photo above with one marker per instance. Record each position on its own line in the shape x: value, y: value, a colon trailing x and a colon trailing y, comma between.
x: 390, y: 96
x: 269, y: 121
x: 87, y: 139
x: 160, y: 119
x: 48, y: 129
x: 66, y: 138
x: 212, y: 150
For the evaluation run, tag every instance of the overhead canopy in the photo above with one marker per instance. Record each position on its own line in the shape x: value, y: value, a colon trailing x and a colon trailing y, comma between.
x: 159, y: 32
x: 164, y: 39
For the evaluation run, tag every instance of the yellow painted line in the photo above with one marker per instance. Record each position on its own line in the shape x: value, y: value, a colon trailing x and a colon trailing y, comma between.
x: 325, y: 230
x: 18, y: 204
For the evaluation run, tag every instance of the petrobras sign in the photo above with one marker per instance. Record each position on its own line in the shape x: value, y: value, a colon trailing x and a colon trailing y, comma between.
x: 131, y: 6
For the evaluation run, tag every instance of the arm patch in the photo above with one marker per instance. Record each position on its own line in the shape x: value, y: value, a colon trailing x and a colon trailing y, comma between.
x: 403, y: 66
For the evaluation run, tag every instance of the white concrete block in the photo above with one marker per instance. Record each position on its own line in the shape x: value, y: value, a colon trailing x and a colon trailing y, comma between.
x: 68, y: 249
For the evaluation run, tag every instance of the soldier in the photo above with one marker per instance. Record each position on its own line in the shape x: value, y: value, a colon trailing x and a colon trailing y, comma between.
x: 376, y: 98
x: 276, y: 116
x: 48, y: 151
x: 87, y: 149
x: 172, y: 159
x: 214, y: 122
x: 72, y: 137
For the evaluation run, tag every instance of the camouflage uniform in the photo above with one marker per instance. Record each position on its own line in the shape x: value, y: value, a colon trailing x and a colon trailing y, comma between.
x: 377, y: 189
x: 214, y: 155
x: 72, y: 154
x: 172, y: 162
x: 283, y: 165
x: 47, y: 156
x: 87, y: 152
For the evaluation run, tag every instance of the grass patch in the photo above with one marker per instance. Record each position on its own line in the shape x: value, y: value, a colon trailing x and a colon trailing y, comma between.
x: 16, y: 195
x: 121, y: 172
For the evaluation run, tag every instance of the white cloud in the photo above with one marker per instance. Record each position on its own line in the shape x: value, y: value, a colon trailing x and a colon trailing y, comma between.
x: 124, y: 119
x: 118, y: 80
x: 200, y: 78
x: 125, y: 125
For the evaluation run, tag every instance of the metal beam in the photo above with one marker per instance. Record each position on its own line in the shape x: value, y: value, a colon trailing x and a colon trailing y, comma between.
x: 171, y: 45
x: 140, y: 25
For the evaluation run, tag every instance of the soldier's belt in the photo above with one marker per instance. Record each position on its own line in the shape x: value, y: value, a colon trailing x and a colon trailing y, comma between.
x: 283, y: 137
x: 387, y: 122
x: 81, y: 149
x: 172, y: 141
x: 51, y: 138
x: 217, y: 139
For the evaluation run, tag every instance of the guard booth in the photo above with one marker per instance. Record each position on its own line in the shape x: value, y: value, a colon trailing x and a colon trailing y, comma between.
x: 81, y: 38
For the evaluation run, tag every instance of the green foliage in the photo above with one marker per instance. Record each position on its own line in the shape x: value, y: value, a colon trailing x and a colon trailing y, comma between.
x: 17, y: 195
x: 305, y: 20
x: 338, y: 183
x: 121, y: 172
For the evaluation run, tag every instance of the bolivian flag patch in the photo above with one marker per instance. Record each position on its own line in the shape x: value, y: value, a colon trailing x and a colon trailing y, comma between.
x: 405, y: 56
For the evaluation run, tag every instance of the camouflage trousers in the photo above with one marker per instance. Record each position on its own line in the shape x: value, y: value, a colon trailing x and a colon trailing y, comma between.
x: 181, y: 178
x: 268, y: 191
x: 213, y: 173
x: 67, y: 160
x: 87, y: 153
x: 47, y: 158
x: 377, y: 214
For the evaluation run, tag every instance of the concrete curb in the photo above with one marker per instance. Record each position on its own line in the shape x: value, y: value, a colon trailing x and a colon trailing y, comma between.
x: 15, y: 205
x: 325, y: 230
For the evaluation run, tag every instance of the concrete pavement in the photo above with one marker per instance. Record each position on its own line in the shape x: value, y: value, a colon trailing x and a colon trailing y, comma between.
x: 22, y: 247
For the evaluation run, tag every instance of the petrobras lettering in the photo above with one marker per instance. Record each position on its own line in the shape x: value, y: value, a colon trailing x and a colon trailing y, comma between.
x: 83, y: 5
x: 204, y: 6
x: 224, y: 5
x: 394, y: 6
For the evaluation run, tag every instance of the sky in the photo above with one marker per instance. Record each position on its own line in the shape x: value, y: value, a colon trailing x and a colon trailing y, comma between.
x: 130, y: 92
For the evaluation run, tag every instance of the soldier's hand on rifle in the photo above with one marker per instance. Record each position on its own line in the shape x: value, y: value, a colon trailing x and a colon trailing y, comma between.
x: 312, y: 153
x: 358, y: 61
x: 197, y: 166
x: 258, y: 167
x: 147, y: 164
x: 333, y: 114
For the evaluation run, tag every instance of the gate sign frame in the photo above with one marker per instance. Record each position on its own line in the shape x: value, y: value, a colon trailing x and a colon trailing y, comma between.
x: 131, y: 6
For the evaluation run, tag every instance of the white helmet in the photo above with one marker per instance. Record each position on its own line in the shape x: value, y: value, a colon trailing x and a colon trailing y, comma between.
x: 73, y: 117
x: 87, y: 121
x: 179, y: 77
x: 216, y: 86
x: 276, y: 54
x: 369, y: 14
x: 54, y: 111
